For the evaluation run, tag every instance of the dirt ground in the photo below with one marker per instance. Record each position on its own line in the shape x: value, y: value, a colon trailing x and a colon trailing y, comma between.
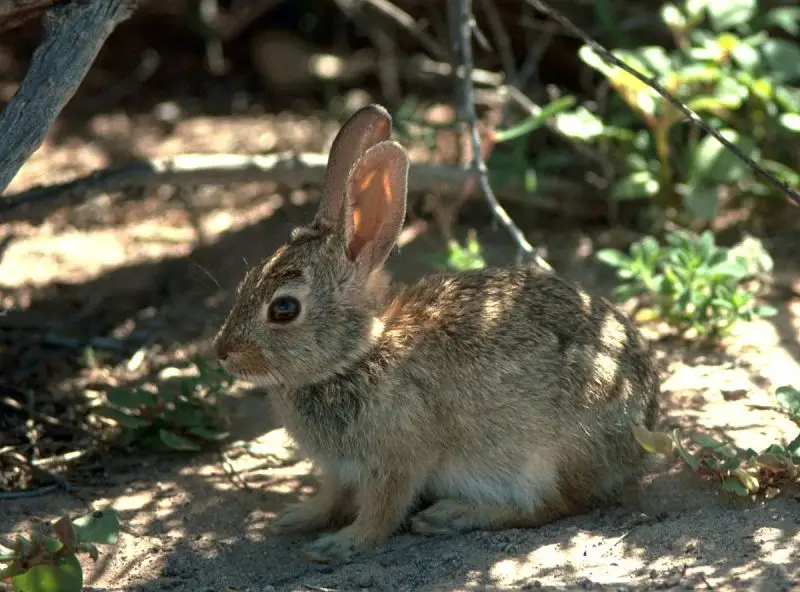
x: 160, y: 270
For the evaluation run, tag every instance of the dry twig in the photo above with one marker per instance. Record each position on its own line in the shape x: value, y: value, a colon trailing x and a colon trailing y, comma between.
x: 285, y: 168
x: 462, y: 13
x: 74, y: 34
x: 409, y: 24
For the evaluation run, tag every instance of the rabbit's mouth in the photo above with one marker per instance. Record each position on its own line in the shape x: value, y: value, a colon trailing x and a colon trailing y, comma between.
x: 249, y: 364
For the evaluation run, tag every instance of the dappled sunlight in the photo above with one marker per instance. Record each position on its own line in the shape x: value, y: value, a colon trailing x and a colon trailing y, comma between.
x: 496, y: 304
x: 591, y: 555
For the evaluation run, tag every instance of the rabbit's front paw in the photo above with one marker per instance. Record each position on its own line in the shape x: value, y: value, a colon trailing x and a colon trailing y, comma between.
x: 302, y: 517
x: 339, y: 546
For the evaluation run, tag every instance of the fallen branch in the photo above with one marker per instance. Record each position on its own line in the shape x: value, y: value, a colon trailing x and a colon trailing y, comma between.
x: 463, y: 25
x: 74, y: 34
x: 284, y: 168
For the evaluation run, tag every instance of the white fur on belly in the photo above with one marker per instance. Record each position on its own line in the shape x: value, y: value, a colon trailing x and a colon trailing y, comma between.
x: 525, y: 487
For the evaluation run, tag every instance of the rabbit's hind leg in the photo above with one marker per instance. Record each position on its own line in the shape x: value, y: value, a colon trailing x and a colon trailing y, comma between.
x: 454, y: 515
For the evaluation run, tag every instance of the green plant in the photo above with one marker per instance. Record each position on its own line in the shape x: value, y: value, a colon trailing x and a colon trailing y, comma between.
x: 469, y: 256
x: 181, y: 417
x: 727, y: 68
x: 696, y: 285
x: 789, y: 400
x: 43, y: 563
x: 742, y: 472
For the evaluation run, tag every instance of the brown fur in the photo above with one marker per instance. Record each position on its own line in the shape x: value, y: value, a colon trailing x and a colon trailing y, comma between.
x: 504, y: 396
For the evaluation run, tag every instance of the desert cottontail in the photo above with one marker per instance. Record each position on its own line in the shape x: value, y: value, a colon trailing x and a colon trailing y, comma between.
x: 503, y: 396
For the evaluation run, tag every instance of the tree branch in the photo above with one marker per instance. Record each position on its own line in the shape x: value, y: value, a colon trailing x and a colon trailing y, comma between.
x: 462, y: 12
x: 74, y: 34
x: 284, y: 168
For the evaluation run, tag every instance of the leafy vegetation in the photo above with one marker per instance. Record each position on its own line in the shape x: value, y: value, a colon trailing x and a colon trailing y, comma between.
x: 731, y: 66
x: 468, y: 256
x: 696, y: 285
x: 742, y: 472
x: 180, y: 417
x: 49, y: 563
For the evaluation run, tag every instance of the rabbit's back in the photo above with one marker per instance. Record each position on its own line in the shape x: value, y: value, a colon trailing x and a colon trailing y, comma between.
x: 529, y: 382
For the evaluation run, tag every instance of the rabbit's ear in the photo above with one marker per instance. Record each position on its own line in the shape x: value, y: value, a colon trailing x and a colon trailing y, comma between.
x: 376, y: 204
x: 368, y: 126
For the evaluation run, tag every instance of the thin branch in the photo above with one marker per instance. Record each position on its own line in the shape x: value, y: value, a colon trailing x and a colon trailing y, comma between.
x: 501, y: 40
x: 463, y: 10
x: 653, y: 83
x: 409, y: 24
x: 285, y: 168
x: 74, y: 34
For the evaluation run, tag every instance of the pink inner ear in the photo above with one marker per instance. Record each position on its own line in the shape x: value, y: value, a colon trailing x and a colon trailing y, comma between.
x: 371, y: 192
x: 376, y: 204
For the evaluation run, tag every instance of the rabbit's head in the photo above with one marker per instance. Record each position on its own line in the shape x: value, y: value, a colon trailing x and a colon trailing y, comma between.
x: 311, y: 308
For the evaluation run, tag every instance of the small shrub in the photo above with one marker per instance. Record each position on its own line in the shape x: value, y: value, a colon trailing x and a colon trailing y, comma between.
x: 726, y: 67
x: 695, y: 284
x: 469, y: 256
x: 50, y: 563
x: 742, y: 472
x: 181, y: 418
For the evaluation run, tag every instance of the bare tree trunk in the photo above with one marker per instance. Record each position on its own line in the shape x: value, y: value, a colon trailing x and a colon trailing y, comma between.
x: 74, y: 34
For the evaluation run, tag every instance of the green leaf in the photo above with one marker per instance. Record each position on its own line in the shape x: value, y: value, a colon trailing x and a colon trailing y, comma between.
x: 534, y: 122
x: 125, y: 398
x: 613, y: 257
x: 126, y: 421
x: 794, y: 447
x: 783, y: 58
x: 701, y: 202
x: 100, y: 526
x: 6, y: 554
x: 653, y: 442
x: 530, y: 180
x: 176, y: 442
x: 785, y: 17
x: 789, y: 398
x: 746, y: 56
x: 733, y: 485
x: 690, y: 458
x: 731, y: 13
x: 707, y: 442
x: 655, y: 59
x: 710, y: 162
x: 766, y: 311
x: 788, y: 98
x: 673, y: 17
x: 625, y: 292
x: 695, y: 8
x: 727, y: 269
x: 208, y: 434
x: 634, y: 186
x: 581, y: 124
x: 65, y: 576
x: 791, y: 121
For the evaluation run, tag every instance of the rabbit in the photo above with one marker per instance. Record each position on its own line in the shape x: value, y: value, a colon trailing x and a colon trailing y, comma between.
x: 503, y: 397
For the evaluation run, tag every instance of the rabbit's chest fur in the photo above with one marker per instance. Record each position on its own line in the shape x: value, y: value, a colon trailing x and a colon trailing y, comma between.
x: 489, y: 383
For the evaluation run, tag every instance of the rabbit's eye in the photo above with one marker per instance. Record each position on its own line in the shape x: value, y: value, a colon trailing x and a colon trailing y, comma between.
x: 283, y: 309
